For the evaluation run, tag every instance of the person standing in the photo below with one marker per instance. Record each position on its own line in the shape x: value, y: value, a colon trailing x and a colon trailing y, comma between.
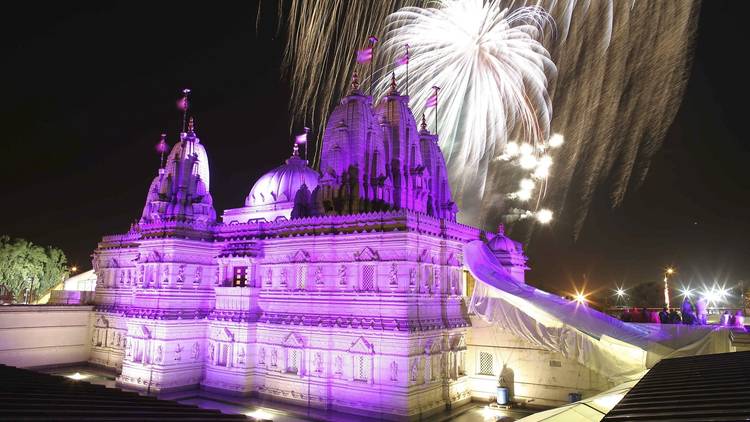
x: 701, y: 308
x: 664, y: 316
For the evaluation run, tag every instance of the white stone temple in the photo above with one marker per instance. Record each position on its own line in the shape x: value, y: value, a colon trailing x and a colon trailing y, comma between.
x: 342, y: 288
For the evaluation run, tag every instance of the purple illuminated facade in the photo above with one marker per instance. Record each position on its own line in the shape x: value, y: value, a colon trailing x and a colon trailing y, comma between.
x: 342, y: 288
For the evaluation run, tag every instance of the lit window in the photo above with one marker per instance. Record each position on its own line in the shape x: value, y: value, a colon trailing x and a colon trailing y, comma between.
x: 240, y: 277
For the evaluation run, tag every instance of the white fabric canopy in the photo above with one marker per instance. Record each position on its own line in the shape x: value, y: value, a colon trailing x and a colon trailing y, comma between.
x: 615, y: 349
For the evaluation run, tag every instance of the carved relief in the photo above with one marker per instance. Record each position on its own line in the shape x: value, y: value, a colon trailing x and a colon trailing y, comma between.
x: 318, y: 363
x: 274, y: 357
x: 180, y: 275
x: 178, y: 352
x: 198, y: 276
x: 211, y: 351
x: 414, y: 370
x: 339, y: 365
x: 319, y: 276
x: 262, y: 356
x: 284, y: 278
x: 394, y: 275
x: 366, y: 254
x: 394, y: 371
x: 241, y: 357
x: 412, y: 279
x: 195, y: 354
x: 269, y: 277
x: 159, y: 354
x: 342, y: 275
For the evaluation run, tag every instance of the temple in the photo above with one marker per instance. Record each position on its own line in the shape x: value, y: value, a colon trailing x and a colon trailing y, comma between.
x: 341, y: 288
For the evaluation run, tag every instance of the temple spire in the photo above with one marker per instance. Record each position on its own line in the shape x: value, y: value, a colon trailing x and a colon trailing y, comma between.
x: 191, y: 125
x: 394, y: 87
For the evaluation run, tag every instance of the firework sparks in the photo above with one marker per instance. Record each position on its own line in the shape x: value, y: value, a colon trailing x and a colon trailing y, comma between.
x: 493, y: 73
x: 614, y: 109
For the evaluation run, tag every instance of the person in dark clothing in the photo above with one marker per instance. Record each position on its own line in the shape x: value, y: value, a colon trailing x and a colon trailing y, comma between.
x: 674, y: 317
x: 664, y: 316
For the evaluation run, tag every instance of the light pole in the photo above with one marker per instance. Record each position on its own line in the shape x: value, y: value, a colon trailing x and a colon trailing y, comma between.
x: 620, y: 295
x: 668, y: 272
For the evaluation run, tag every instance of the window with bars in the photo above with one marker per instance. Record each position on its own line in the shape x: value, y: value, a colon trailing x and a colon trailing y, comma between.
x: 360, y: 368
x: 240, y: 277
x: 292, y: 364
x: 368, y: 278
x: 301, y: 278
x: 485, y: 364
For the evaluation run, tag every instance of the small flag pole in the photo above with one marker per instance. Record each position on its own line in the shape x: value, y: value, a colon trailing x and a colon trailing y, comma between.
x: 162, y: 148
x: 185, y: 104
x: 307, y: 141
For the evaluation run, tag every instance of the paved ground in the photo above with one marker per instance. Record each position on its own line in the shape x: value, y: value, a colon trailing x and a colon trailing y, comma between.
x: 282, y: 412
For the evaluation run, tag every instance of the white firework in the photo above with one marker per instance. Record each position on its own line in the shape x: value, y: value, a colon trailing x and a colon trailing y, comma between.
x: 493, y: 73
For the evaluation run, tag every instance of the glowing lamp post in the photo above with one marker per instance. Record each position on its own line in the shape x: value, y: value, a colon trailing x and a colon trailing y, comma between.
x: 620, y: 295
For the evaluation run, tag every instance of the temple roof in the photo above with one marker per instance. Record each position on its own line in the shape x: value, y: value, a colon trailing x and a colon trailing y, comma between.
x: 282, y: 183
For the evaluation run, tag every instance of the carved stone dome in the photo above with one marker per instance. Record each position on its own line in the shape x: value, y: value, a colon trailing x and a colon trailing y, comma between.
x: 281, y: 184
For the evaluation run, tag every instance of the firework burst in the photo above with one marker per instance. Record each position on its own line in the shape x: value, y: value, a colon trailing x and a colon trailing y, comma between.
x: 621, y: 68
x: 493, y: 75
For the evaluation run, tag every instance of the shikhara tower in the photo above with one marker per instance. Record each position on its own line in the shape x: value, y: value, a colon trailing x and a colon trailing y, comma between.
x: 340, y: 289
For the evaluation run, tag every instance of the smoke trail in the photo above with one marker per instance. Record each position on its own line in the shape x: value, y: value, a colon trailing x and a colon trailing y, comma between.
x: 621, y: 70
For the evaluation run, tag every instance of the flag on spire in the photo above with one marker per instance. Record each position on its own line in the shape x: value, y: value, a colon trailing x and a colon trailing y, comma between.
x: 182, y: 103
x: 432, y: 99
x: 365, y: 55
x: 302, y: 138
x: 403, y: 60
x: 162, y: 146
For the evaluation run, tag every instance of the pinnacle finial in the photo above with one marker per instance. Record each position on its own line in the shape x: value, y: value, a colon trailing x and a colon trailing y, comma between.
x: 355, y: 82
x: 394, y: 88
x: 423, y: 126
x: 295, y: 150
x: 191, y: 125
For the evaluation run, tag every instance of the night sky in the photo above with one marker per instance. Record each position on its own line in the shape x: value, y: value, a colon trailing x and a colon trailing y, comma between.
x: 87, y: 91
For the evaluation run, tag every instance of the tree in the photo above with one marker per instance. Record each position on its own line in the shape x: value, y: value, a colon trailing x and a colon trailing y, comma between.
x: 648, y: 295
x: 24, y: 265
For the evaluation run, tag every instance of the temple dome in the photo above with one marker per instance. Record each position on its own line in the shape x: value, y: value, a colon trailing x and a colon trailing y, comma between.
x: 502, y: 243
x: 282, y: 183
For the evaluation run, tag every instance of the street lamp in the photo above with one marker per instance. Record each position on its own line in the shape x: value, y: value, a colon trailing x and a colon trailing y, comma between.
x: 73, y: 269
x: 620, y: 294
